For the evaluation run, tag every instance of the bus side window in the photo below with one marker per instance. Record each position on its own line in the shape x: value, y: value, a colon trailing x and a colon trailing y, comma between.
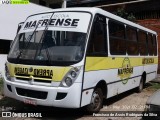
x: 117, y: 38
x: 150, y: 44
x: 154, y: 45
x: 132, y: 44
x: 142, y: 39
x: 97, y: 43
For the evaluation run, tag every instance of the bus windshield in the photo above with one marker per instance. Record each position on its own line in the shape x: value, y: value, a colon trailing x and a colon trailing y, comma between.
x: 62, y: 42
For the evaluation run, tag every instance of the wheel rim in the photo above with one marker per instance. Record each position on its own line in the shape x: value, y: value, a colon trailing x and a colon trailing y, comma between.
x: 141, y: 85
x: 96, y: 101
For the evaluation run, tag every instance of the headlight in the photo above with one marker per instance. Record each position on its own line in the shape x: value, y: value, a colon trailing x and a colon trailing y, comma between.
x: 70, y: 77
x: 68, y: 81
x: 7, y: 72
x: 73, y: 74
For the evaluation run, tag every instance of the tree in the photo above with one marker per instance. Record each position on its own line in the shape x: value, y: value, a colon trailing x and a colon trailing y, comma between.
x: 122, y: 13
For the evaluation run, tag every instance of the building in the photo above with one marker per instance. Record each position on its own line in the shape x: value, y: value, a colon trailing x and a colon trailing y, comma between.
x: 146, y: 12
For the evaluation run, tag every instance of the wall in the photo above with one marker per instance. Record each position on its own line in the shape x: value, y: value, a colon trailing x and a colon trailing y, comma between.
x: 3, y: 59
x: 12, y: 15
x: 153, y: 24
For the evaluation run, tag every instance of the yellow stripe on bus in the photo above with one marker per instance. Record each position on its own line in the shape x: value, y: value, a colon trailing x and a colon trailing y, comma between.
x: 103, y: 63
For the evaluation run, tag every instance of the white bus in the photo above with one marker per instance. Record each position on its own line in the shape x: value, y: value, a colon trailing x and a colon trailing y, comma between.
x: 75, y: 57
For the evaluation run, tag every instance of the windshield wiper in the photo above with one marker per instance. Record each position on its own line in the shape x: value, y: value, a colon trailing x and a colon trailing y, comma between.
x: 28, y: 41
x: 42, y: 39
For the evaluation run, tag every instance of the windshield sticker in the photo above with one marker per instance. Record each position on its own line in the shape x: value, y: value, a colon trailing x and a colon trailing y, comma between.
x: 62, y: 21
x: 37, y: 22
x: 126, y: 71
x: 52, y: 22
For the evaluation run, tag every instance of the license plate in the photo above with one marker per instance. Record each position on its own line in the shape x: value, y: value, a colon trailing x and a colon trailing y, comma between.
x: 30, y: 101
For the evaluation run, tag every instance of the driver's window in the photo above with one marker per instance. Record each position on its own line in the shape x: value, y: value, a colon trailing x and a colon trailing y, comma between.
x: 97, y: 43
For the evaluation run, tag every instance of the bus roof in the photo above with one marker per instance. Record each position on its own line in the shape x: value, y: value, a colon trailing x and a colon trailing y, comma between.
x: 95, y: 10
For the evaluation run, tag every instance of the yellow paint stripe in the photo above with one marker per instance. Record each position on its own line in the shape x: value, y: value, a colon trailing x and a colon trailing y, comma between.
x: 103, y: 63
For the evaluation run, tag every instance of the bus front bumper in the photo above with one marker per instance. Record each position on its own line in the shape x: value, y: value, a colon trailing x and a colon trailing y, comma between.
x: 66, y: 97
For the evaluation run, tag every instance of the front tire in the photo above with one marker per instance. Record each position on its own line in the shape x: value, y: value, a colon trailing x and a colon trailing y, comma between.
x: 96, y: 101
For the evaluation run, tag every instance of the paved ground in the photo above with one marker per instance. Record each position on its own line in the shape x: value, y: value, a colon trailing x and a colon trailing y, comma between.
x: 129, y: 101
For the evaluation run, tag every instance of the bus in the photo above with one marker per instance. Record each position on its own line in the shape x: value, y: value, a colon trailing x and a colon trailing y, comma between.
x: 77, y: 57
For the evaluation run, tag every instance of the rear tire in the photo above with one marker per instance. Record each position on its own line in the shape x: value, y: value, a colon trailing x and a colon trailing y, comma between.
x: 141, y: 85
x: 96, y: 101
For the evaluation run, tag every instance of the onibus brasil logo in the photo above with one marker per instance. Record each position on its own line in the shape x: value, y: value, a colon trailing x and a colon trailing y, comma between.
x: 126, y: 71
x: 14, y: 2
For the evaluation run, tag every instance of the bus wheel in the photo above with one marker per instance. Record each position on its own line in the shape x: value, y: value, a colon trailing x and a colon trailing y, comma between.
x: 96, y: 101
x: 141, y: 85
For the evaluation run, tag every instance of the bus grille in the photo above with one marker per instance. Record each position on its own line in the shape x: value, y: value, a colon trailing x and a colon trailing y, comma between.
x: 32, y: 93
x: 35, y: 79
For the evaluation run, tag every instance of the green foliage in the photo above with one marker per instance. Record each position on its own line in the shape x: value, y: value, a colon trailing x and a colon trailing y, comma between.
x: 155, y: 86
x: 122, y: 13
x: 1, y: 85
